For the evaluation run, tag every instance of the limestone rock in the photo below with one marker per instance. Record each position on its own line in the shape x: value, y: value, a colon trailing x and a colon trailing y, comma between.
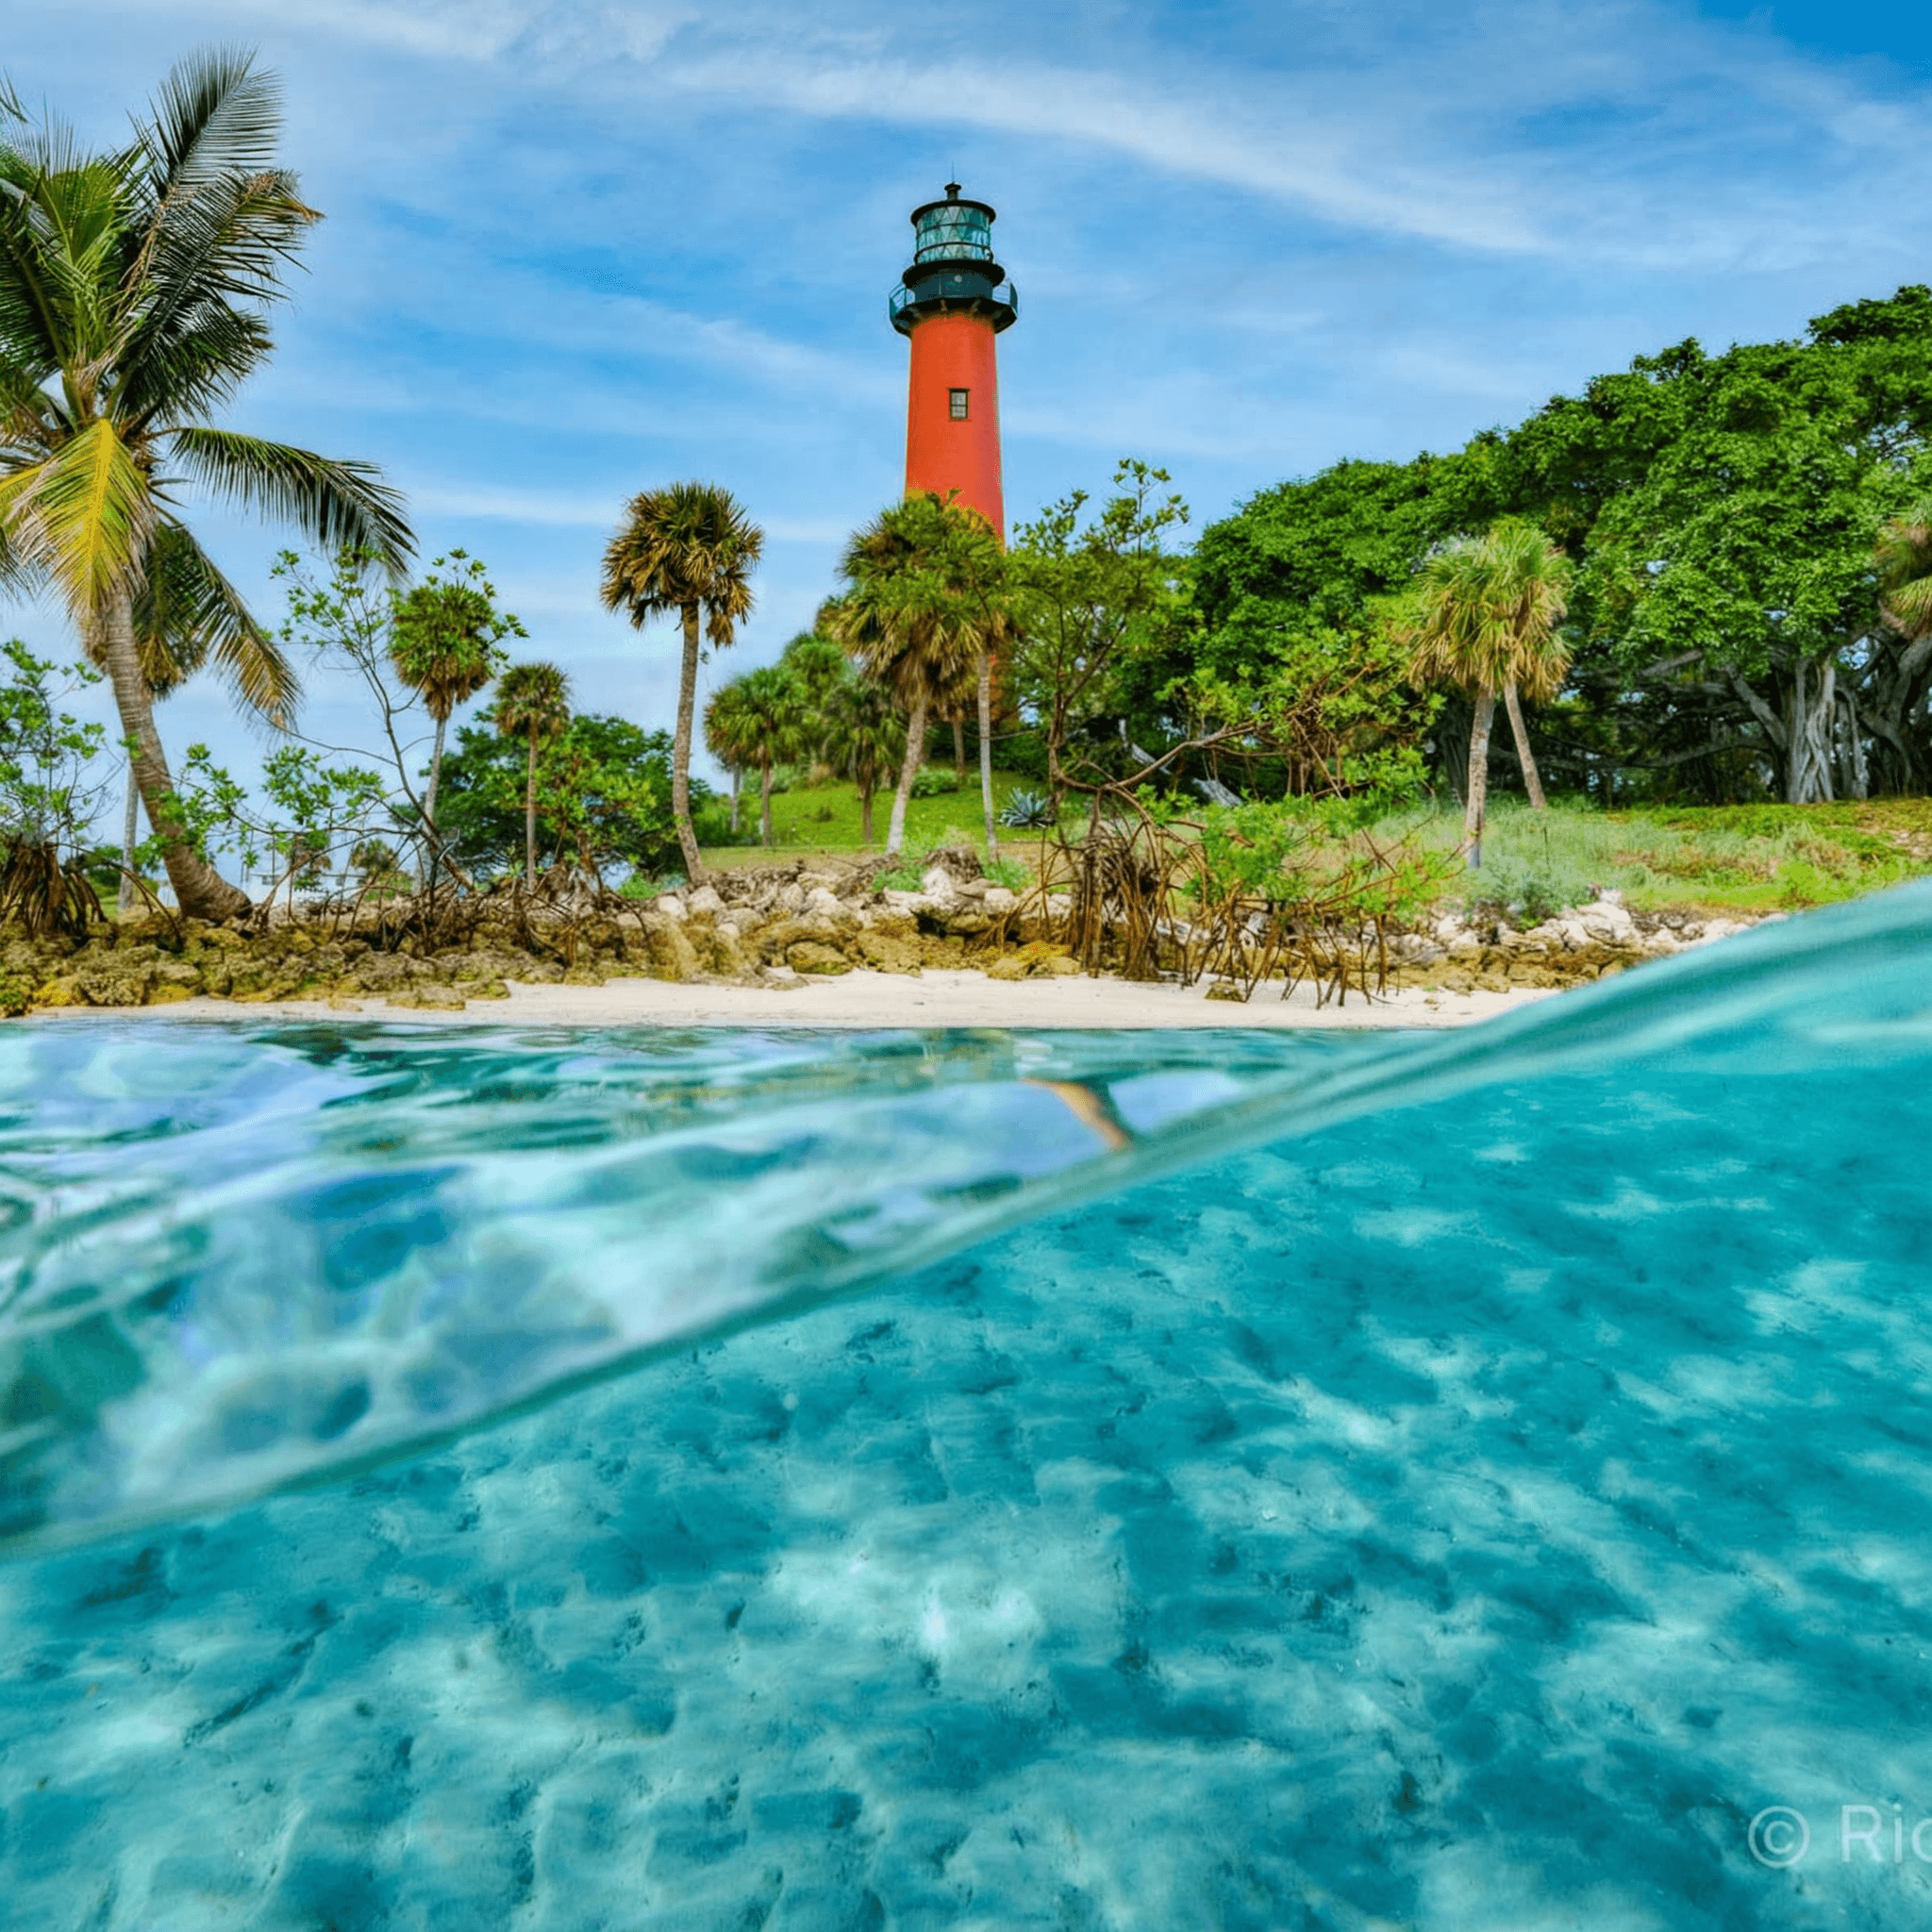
x: 811, y: 955
x: 111, y: 989
x: 705, y: 903
x: 428, y: 995
x: 666, y: 950
x: 1607, y: 922
x: 888, y: 952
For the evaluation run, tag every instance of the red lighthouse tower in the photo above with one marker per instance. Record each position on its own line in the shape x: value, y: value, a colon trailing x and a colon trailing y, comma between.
x: 954, y: 300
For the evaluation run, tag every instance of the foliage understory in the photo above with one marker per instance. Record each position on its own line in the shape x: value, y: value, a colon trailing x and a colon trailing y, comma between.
x: 1739, y: 861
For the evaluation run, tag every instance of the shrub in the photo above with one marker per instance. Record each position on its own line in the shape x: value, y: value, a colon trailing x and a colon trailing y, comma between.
x: 906, y: 872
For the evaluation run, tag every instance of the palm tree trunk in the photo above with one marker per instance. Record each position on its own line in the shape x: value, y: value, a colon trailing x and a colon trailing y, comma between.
x: 765, y: 801
x: 429, y: 801
x: 993, y: 836
x: 1532, y: 779
x: 435, y: 774
x: 1478, y: 776
x: 530, y: 817
x: 130, y: 838
x: 680, y: 749
x: 200, y: 891
x: 865, y: 816
x: 908, y: 769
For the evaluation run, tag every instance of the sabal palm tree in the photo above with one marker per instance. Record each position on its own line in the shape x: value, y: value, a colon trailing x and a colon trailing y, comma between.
x: 690, y: 549
x: 864, y: 740
x: 1487, y: 615
x: 759, y: 720
x: 905, y: 625
x: 134, y: 286
x: 820, y: 668
x: 1904, y: 557
x: 533, y: 704
x: 727, y: 737
x: 443, y: 642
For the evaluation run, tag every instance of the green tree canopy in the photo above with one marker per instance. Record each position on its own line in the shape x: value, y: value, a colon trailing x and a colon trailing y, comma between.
x: 603, y: 779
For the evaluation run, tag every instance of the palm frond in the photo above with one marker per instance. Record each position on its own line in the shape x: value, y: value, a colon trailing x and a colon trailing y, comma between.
x: 1903, y: 559
x: 687, y: 543
x: 532, y: 701
x: 223, y: 247
x: 61, y: 258
x: 188, y: 615
x: 1485, y: 613
x: 339, y: 506
x: 82, y: 517
x: 192, y: 372
x: 216, y: 114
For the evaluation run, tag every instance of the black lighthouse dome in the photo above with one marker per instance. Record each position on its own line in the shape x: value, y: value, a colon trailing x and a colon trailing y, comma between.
x: 953, y: 267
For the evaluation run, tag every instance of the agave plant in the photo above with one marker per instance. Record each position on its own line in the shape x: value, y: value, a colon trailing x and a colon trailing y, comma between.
x: 1028, y: 811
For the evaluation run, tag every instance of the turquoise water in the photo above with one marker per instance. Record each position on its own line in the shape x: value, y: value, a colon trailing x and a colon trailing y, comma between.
x: 980, y: 1481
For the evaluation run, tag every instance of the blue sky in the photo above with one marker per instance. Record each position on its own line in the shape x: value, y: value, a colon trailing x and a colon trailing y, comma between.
x: 576, y: 249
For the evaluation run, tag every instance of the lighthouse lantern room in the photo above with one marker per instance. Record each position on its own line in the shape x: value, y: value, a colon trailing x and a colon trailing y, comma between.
x: 954, y: 300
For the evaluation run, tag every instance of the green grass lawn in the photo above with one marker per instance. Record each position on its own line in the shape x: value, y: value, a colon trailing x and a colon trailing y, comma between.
x: 1742, y: 859
x: 824, y: 819
x: 1737, y: 858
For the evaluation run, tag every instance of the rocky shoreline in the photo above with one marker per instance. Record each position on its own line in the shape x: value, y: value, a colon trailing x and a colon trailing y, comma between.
x: 766, y: 925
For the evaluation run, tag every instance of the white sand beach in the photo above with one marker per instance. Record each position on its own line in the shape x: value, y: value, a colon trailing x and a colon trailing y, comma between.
x: 862, y: 999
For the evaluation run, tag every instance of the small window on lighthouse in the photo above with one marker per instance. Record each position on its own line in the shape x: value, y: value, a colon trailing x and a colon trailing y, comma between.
x: 956, y: 402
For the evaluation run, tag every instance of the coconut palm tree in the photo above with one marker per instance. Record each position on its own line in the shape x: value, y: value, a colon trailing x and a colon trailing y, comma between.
x: 1487, y: 615
x: 532, y: 702
x: 759, y: 720
x: 443, y: 642
x: 905, y: 624
x: 864, y: 740
x: 134, y: 286
x: 690, y: 549
x: 184, y: 623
